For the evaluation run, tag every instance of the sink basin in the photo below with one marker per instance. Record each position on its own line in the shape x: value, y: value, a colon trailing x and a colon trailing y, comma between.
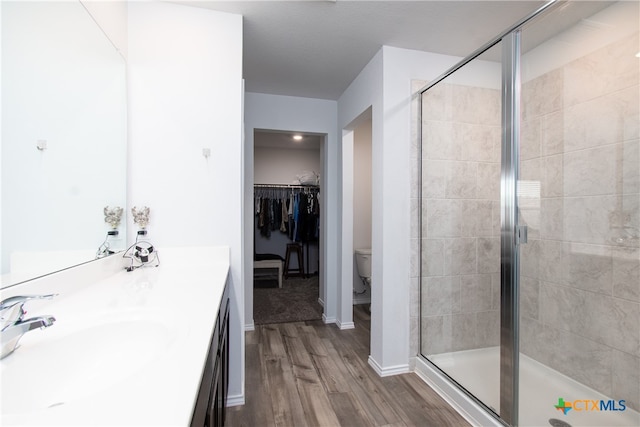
x: 62, y: 364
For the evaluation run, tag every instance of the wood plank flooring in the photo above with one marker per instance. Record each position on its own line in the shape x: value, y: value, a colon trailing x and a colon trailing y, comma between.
x: 312, y: 374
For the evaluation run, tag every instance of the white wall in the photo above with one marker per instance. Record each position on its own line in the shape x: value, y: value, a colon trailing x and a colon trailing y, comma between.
x: 400, y: 67
x: 364, y: 93
x: 111, y: 17
x: 273, y: 112
x: 282, y: 165
x: 385, y: 85
x: 185, y: 94
x: 362, y: 176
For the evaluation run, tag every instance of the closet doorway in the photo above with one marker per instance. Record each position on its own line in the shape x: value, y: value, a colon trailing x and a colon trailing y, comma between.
x: 286, y: 229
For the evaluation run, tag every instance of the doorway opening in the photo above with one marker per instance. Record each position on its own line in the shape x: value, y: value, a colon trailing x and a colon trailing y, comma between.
x: 286, y: 226
x: 357, y: 177
x: 362, y: 210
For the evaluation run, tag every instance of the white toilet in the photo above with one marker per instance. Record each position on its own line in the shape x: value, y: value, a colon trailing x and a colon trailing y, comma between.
x: 363, y: 263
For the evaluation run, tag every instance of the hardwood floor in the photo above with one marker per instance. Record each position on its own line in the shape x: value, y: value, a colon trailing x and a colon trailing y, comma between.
x: 312, y: 374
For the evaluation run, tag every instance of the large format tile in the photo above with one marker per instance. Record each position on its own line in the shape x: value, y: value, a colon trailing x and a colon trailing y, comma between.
x: 551, y: 261
x: 613, y: 322
x: 586, y: 219
x: 461, y: 180
x: 437, y: 103
x: 440, y: 295
x: 444, y: 218
x: 579, y: 358
x: 432, y: 257
x: 488, y: 328
x: 552, y: 177
x: 542, y: 95
x: 434, y: 178
x: 480, y: 142
x: 626, y: 273
x: 475, y: 293
x: 488, y: 180
x: 588, y: 267
x: 630, y: 176
x: 591, y: 172
x: 552, y: 133
x: 606, y: 120
x: 439, y: 142
x: 476, y: 105
x: 488, y: 255
x: 460, y: 256
x: 626, y: 378
x: 603, y: 71
x: 529, y: 297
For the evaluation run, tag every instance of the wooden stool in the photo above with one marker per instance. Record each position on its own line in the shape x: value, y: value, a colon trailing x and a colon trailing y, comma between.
x: 293, y: 247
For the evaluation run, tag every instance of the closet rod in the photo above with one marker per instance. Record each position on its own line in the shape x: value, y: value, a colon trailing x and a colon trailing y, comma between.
x: 284, y: 186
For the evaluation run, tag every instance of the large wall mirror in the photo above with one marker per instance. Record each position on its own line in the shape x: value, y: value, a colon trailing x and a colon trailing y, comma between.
x: 63, y: 152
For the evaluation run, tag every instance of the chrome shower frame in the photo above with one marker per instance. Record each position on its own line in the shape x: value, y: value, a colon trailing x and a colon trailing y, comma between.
x: 511, y: 235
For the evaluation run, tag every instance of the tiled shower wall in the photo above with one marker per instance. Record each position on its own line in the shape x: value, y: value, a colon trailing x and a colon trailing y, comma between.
x: 580, y: 286
x: 460, y: 218
x: 580, y: 197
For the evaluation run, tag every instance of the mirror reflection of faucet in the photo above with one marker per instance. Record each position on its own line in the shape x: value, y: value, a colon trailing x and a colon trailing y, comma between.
x: 14, y: 325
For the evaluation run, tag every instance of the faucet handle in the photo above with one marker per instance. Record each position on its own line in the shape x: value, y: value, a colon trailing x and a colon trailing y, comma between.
x: 11, y: 309
x: 21, y: 299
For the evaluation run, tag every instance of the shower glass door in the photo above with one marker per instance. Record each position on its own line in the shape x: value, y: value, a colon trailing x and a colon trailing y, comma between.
x: 530, y: 219
x: 460, y: 241
x: 579, y: 195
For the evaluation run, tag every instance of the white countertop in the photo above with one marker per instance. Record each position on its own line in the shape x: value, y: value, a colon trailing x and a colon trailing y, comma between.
x: 127, y: 349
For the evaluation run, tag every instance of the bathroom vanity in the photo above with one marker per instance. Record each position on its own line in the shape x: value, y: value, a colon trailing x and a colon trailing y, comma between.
x: 147, y: 347
x: 210, y: 403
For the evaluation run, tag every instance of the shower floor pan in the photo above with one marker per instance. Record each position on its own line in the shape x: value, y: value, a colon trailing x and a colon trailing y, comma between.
x: 540, y: 388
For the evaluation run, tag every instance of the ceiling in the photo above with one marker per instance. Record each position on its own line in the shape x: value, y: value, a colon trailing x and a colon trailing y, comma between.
x: 315, y: 49
x: 280, y: 139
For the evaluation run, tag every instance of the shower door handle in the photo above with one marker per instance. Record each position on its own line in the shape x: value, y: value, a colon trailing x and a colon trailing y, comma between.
x: 522, y: 234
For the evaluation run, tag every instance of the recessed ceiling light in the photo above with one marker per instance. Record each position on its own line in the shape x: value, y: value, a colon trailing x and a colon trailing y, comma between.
x: 297, y: 137
x: 638, y: 55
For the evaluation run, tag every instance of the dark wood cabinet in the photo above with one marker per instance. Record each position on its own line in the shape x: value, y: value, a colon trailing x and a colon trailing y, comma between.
x: 209, y: 410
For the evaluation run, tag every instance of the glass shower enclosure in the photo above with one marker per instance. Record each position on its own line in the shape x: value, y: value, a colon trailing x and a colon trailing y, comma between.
x: 530, y: 219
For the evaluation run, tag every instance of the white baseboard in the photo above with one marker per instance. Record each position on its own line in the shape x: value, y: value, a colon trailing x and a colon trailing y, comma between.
x: 250, y: 327
x: 237, y: 400
x: 328, y: 320
x: 470, y: 410
x: 388, y: 371
x: 346, y: 325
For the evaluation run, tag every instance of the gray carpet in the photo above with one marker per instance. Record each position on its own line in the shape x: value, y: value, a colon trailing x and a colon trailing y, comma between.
x: 296, y: 301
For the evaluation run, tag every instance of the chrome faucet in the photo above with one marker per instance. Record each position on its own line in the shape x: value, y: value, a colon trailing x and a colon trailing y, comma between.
x: 13, y: 323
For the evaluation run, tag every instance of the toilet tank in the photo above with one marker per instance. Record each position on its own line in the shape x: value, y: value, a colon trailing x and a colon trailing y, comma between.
x: 363, y: 262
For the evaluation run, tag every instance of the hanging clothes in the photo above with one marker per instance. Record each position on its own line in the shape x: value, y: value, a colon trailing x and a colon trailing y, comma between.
x: 296, y: 217
x: 284, y: 216
x: 308, y: 220
x: 291, y: 211
x: 263, y: 219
